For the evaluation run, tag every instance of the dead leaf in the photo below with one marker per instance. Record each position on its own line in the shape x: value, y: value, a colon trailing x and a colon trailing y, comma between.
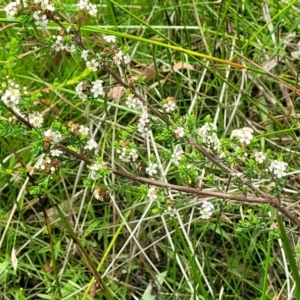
x: 116, y: 92
x: 14, y: 260
x: 183, y: 65
x: 148, y: 72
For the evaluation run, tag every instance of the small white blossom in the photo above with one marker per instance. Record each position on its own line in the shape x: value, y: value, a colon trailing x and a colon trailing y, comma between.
x: 36, y: 119
x: 209, y: 136
x: 176, y: 157
x: 206, y: 210
x: 172, y: 211
x: 244, y: 135
x: 90, y: 144
x: 40, y: 18
x: 11, y: 97
x: 120, y: 58
x: 91, y: 9
x: 169, y: 105
x: 179, y: 132
x: 278, y: 168
x: 94, y: 168
x: 85, y: 54
x: 12, y: 9
x: 126, y: 59
x: 97, y: 88
x: 81, y: 90
x: 92, y: 65
x: 109, y: 38
x: 152, y: 168
x: 143, y: 123
x: 83, y: 130
x: 55, y: 152
x: 152, y: 193
x: 133, y: 102
x: 55, y: 135
x: 259, y: 157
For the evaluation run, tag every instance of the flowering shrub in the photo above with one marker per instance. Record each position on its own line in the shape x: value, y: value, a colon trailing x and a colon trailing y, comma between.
x: 159, y: 146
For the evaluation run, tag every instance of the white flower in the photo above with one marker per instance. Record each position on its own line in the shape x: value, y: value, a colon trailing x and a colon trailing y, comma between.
x: 133, y: 102
x: 205, y: 215
x: 172, y: 211
x: 87, y: 6
x: 55, y: 152
x: 92, y: 10
x: 92, y: 65
x: 81, y: 90
x: 278, y: 168
x: 120, y: 58
x: 94, y: 168
x: 259, y: 157
x: 134, y: 155
x: 176, y: 157
x: 209, y: 136
x: 207, y: 206
x: 83, y: 130
x: 152, y: 193
x: 143, y: 122
x: 109, y: 38
x: 126, y: 59
x: 179, y: 132
x: 90, y: 144
x: 55, y: 135
x: 40, y: 18
x: 244, y: 135
x: 97, y: 88
x: 12, y: 9
x: 170, y: 105
x: 85, y: 54
x: 11, y: 97
x: 36, y: 119
x: 152, y: 168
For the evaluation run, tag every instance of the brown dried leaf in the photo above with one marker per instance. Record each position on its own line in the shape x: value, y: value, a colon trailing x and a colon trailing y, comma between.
x: 148, y: 72
x: 183, y: 65
x: 116, y: 92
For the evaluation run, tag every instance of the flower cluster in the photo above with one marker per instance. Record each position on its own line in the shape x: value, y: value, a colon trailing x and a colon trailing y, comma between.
x: 60, y: 44
x: 169, y: 105
x: 121, y: 58
x: 206, y: 210
x: 133, y: 102
x: 84, y: 89
x: 152, y: 193
x: 144, y: 122
x: 208, y: 133
x: 179, y: 132
x: 36, y: 119
x: 11, y: 96
x: 97, y: 171
x: 90, y: 144
x: 127, y: 151
x: 278, y: 168
x: 13, y: 8
x: 243, y: 135
x: 260, y: 157
x: 88, y: 7
x: 92, y: 61
x: 176, y: 157
x: 50, y: 164
x: 152, y: 168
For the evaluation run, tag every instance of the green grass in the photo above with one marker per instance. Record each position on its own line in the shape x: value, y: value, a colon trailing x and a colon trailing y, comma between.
x: 228, y: 47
